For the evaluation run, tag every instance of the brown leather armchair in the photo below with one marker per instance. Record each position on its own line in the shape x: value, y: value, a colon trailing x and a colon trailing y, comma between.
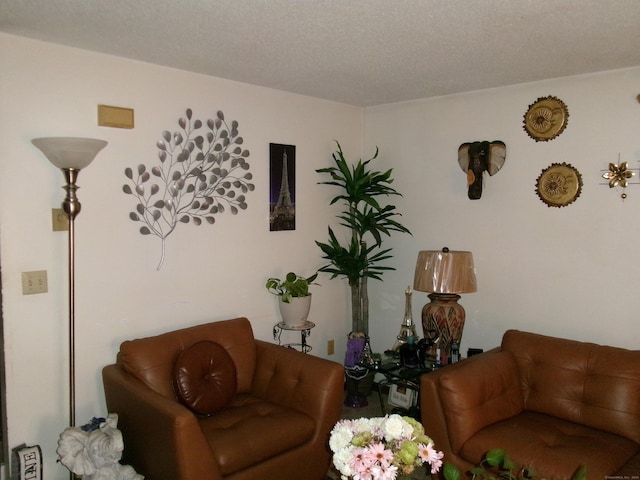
x: 274, y: 426
x: 552, y: 403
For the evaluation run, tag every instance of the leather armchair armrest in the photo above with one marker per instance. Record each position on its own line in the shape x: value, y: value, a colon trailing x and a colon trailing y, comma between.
x: 312, y: 385
x: 434, y: 421
x: 163, y: 439
x: 459, y: 400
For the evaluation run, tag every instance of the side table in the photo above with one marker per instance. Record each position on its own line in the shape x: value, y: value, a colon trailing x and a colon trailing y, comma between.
x: 303, y: 328
x: 396, y: 374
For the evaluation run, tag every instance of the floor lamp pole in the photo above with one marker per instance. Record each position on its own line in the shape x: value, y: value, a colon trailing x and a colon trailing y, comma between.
x: 71, y: 207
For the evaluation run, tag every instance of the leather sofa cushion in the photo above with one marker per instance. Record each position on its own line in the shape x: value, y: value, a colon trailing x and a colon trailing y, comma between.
x: 264, y: 430
x: 554, y: 448
x: 589, y: 384
x: 479, y: 393
x: 205, y: 377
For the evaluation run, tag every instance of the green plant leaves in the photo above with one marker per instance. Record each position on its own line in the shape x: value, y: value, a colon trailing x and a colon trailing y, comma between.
x: 451, y: 472
x: 495, y: 457
x: 292, y: 286
x: 499, y: 465
x: 365, y: 218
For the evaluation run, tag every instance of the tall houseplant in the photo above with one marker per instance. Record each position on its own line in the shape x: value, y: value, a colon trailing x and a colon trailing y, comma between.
x: 367, y: 220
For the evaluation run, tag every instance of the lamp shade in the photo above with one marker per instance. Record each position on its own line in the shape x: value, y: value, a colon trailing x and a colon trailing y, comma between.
x: 69, y: 152
x: 444, y: 271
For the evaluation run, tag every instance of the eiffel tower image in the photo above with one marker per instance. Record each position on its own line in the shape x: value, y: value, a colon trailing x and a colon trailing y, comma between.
x: 283, y: 216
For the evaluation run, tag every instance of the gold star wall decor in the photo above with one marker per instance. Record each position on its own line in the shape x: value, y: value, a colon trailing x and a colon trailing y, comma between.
x: 619, y: 175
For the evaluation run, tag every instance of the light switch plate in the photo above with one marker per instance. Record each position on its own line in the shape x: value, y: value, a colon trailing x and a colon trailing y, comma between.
x: 59, y: 220
x: 34, y: 282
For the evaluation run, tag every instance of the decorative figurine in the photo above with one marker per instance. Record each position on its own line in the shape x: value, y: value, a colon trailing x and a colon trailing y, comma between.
x: 408, y: 328
x: 475, y: 158
x: 94, y: 451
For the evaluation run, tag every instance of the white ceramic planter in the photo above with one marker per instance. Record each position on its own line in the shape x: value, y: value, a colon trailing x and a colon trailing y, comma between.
x: 296, y: 312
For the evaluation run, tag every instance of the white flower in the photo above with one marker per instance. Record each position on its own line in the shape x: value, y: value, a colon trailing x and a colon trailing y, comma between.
x: 341, y: 460
x: 340, y: 438
x: 393, y: 427
x: 407, y: 430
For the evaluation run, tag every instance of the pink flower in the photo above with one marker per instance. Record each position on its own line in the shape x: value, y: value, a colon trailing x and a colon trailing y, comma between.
x: 430, y: 455
x: 360, y: 461
x: 377, y: 453
x: 389, y: 473
x: 366, y: 473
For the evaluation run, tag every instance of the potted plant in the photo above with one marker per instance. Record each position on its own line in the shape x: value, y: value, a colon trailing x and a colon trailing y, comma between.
x: 367, y: 220
x: 496, y: 464
x: 294, y: 298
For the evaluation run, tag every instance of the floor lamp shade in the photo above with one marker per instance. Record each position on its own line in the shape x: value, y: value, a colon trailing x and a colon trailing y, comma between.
x: 444, y: 274
x: 69, y: 152
x: 71, y: 155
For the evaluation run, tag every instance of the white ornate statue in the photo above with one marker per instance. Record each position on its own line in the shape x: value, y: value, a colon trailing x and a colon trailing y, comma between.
x: 94, y: 452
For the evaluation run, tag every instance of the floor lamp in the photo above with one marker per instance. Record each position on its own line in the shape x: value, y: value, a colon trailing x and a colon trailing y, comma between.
x: 70, y: 155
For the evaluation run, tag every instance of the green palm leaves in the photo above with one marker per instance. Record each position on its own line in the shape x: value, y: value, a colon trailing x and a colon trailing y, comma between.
x: 368, y: 220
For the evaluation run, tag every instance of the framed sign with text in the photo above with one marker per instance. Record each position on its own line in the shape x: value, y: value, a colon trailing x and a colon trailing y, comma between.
x: 27, y: 463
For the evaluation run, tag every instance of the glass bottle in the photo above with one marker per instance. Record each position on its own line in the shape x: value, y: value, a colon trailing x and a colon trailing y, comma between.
x: 409, y: 354
x: 455, y: 352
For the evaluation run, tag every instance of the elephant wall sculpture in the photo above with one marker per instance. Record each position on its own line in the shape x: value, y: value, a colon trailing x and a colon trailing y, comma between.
x: 475, y: 158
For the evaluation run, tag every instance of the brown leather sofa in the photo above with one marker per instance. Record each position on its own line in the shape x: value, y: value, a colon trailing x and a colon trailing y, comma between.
x: 552, y: 404
x: 275, y: 425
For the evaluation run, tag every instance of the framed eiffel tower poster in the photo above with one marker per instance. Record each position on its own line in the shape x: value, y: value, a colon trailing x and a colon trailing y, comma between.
x: 282, y: 187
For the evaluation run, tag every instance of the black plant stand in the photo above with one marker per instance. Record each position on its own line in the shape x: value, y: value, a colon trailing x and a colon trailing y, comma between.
x: 304, y: 329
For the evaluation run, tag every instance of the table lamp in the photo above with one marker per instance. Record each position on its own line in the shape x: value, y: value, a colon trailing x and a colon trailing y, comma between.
x: 444, y: 274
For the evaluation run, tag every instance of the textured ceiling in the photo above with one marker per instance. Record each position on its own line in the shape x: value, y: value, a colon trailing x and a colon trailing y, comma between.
x: 359, y: 52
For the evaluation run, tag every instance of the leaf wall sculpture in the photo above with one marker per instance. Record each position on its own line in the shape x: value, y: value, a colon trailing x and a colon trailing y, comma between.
x: 202, y: 172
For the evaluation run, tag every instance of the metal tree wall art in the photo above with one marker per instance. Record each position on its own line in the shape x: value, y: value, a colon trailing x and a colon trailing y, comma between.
x: 202, y: 171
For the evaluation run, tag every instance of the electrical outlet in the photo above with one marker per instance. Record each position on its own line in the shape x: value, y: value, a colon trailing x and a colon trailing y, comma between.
x: 34, y: 282
x: 330, y: 347
x: 59, y: 220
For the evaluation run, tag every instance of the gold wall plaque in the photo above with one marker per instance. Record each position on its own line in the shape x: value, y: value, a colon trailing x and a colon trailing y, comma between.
x: 117, y: 117
x: 559, y: 185
x: 546, y: 118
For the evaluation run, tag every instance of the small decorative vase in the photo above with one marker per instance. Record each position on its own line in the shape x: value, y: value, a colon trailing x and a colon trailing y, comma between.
x: 295, y: 313
x: 354, y: 398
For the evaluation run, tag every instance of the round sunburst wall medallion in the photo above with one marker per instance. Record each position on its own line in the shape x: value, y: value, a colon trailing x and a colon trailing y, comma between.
x: 546, y: 118
x: 559, y: 185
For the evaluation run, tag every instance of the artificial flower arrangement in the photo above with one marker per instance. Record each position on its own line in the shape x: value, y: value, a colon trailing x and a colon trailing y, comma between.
x: 381, y: 448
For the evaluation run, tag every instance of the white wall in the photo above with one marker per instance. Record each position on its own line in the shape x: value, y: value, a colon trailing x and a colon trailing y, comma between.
x: 210, y: 273
x: 572, y: 271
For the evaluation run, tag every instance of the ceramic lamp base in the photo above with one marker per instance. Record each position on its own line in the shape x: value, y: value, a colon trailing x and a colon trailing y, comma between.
x: 445, y: 316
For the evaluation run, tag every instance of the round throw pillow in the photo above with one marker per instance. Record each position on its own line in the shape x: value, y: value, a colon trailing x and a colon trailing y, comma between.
x: 205, y: 377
